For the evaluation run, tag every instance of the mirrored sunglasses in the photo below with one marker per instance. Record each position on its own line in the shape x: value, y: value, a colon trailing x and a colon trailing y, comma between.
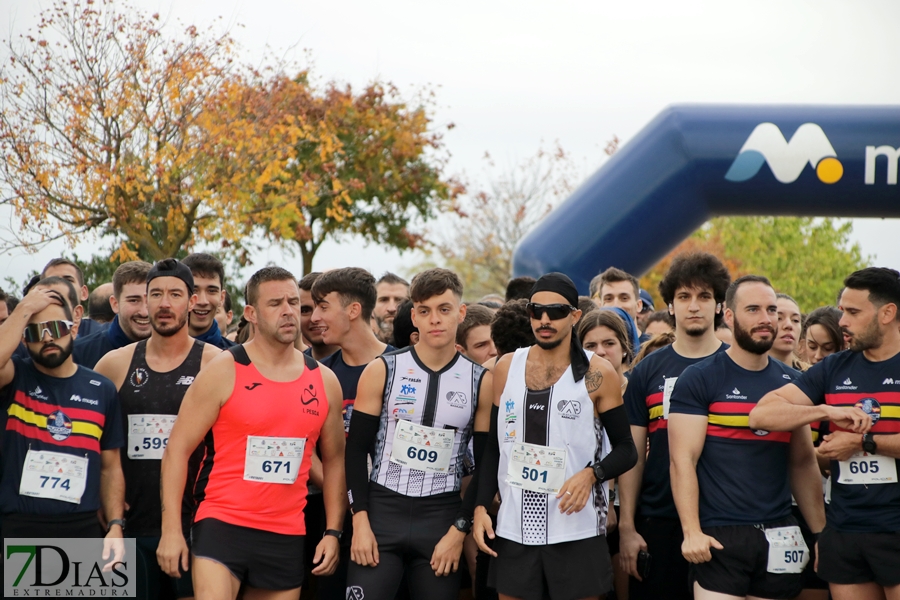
x: 34, y: 332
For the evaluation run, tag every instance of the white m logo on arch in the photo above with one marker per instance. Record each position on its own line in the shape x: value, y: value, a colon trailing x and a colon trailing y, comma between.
x: 786, y: 159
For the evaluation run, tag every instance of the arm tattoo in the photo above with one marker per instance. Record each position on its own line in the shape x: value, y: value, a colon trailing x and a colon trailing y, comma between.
x: 592, y: 380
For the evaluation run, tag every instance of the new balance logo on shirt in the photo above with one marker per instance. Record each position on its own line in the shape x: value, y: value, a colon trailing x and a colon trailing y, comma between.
x: 185, y: 380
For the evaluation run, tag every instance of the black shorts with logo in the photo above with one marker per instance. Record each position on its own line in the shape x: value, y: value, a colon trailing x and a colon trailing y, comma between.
x: 848, y: 558
x: 261, y: 559
x: 576, y: 569
x: 740, y: 568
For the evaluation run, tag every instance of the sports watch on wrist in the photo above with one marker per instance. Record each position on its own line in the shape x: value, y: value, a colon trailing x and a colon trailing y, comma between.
x: 119, y: 522
x: 333, y: 532
x: 463, y: 524
x: 869, y: 444
x: 598, y: 472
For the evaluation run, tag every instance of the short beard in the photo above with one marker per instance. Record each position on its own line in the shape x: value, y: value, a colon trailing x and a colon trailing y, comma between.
x: 696, y: 331
x: 744, y: 340
x: 872, y: 337
x: 549, y: 345
x: 170, y: 330
x: 52, y: 362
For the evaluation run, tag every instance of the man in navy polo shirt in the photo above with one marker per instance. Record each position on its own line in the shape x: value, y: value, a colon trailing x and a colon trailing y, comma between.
x: 858, y: 390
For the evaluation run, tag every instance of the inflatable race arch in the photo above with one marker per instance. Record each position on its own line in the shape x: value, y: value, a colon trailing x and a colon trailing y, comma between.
x: 695, y: 162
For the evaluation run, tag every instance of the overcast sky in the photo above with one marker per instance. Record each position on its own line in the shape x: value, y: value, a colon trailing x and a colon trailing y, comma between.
x: 511, y: 74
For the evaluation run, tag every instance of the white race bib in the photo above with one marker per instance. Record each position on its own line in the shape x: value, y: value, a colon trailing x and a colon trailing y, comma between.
x: 423, y: 448
x: 667, y: 395
x: 788, y: 552
x: 273, y: 460
x: 54, y: 475
x: 867, y: 469
x: 536, y: 468
x: 148, y: 436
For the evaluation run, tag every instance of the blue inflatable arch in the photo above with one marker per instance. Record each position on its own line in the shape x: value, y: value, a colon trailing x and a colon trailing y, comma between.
x: 695, y: 162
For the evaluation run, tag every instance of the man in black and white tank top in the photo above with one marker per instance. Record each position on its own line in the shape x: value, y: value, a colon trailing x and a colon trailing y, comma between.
x: 152, y: 377
x: 552, y: 402
x: 418, y: 407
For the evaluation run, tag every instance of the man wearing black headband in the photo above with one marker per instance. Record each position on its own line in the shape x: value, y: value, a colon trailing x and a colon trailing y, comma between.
x: 152, y: 377
x: 550, y: 401
x: 61, y: 414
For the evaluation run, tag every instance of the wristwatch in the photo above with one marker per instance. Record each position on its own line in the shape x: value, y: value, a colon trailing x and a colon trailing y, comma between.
x: 119, y: 522
x: 463, y: 524
x: 598, y: 472
x: 869, y: 444
x: 333, y: 532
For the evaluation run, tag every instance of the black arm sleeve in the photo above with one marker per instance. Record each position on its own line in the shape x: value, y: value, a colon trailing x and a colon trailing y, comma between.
x: 486, y: 468
x: 363, y: 430
x: 467, y: 509
x: 623, y: 455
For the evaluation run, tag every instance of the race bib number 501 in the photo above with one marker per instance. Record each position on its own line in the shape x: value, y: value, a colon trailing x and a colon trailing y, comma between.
x: 537, y: 468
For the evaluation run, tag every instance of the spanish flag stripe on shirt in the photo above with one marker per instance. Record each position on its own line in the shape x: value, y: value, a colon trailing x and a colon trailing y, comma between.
x: 73, y: 441
x: 43, y: 408
x: 888, y: 422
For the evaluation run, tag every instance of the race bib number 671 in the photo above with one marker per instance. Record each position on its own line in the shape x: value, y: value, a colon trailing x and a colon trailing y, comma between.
x: 273, y: 460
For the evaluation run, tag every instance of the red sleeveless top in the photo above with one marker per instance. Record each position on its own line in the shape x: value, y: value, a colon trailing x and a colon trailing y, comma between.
x: 249, y: 447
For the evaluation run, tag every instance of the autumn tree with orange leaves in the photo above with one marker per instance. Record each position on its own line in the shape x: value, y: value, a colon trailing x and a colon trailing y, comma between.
x: 316, y: 163
x: 101, y: 131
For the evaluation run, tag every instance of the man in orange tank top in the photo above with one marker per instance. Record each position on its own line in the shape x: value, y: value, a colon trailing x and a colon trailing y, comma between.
x: 260, y: 409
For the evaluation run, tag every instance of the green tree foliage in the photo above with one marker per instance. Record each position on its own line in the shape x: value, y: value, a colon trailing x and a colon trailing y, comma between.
x: 807, y: 258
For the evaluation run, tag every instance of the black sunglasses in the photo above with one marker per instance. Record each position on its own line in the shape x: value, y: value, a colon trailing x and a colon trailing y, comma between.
x: 554, y: 311
x: 34, y: 332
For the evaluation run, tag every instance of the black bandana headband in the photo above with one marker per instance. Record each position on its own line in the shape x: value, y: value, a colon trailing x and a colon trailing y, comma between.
x: 559, y: 283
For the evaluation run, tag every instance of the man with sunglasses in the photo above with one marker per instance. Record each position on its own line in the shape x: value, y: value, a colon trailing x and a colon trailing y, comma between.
x: 543, y: 453
x: 63, y: 429
x: 152, y: 377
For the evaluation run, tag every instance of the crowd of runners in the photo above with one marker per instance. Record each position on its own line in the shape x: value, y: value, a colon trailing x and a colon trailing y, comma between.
x: 362, y: 439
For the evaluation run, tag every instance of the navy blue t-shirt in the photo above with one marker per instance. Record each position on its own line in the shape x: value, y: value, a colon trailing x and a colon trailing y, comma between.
x: 742, y: 472
x: 77, y: 415
x: 644, y: 403
x: 849, y: 379
x: 348, y: 376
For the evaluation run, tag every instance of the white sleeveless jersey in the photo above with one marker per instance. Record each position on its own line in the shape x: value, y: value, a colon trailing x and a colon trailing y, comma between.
x: 559, y: 417
x: 446, y: 399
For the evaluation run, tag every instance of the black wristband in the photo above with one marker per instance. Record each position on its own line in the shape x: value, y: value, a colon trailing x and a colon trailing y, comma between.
x: 119, y: 522
x: 333, y: 532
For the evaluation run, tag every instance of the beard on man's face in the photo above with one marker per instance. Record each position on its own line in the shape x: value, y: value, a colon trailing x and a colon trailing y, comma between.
x: 51, y: 360
x: 744, y: 338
